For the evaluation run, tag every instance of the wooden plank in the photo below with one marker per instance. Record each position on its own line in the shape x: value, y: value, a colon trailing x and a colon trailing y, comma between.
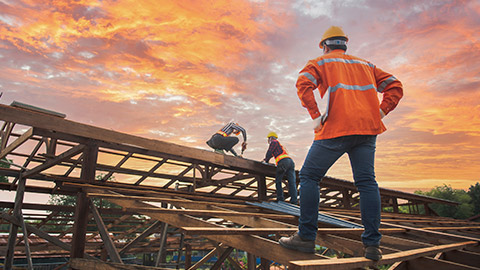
x: 173, y: 201
x: 205, y: 213
x: 455, y: 228
x: 149, y: 190
x: 357, y: 262
x: 19, y: 141
x: 253, y: 244
x: 263, y: 231
x: 107, y: 241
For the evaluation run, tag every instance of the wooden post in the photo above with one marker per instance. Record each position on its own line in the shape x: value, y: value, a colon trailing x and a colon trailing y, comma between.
x: 12, y: 237
x: 346, y: 199
x: 251, y: 261
x: 395, y: 205
x: 188, y: 256
x: 107, y: 241
x: 262, y: 187
x: 427, y: 209
x: 180, y: 249
x: 163, y: 240
x: 82, y: 208
x: 264, y: 264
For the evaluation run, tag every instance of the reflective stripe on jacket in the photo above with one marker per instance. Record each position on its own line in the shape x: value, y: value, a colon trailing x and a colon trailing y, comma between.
x: 276, y: 150
x: 228, y: 129
x: 351, y: 85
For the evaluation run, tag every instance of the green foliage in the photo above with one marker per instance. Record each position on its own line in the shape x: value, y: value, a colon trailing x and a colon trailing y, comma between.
x: 67, y: 200
x: 463, y: 210
x: 474, y: 192
x: 4, y: 163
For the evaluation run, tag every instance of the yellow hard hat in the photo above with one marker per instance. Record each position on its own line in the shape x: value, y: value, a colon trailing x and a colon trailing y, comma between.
x: 272, y: 134
x: 333, y: 31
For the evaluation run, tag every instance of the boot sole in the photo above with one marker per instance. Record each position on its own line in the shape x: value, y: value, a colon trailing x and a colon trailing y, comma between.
x: 373, y: 257
x: 301, y: 249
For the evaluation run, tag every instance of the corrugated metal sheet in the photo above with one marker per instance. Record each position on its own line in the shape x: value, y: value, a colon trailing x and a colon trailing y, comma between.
x: 291, y: 209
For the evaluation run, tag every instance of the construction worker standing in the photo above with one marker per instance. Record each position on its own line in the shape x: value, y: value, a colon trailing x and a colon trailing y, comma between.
x: 222, y: 140
x: 285, y: 166
x: 350, y: 124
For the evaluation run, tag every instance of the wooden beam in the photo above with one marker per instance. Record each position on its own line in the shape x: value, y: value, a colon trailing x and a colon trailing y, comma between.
x: 263, y: 231
x: 357, y: 262
x: 150, y: 230
x: 19, y: 141
x: 17, y: 213
x: 107, y: 241
x: 8, y: 127
x: 206, y: 213
x: 205, y: 258
x: 253, y: 244
x: 174, y: 201
x: 222, y: 258
x: 163, y: 243
x: 52, y: 162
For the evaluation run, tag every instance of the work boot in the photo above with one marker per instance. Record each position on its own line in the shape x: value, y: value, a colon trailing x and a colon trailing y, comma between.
x: 295, y: 242
x: 373, y: 253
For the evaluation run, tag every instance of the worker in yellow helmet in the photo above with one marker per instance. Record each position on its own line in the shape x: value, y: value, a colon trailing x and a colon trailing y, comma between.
x: 350, y: 124
x: 285, y: 167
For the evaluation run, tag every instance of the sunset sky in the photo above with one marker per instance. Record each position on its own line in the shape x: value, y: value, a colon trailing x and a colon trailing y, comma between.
x: 177, y: 71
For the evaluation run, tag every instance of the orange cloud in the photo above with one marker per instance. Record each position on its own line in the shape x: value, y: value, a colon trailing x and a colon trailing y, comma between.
x: 178, y: 70
x: 132, y: 49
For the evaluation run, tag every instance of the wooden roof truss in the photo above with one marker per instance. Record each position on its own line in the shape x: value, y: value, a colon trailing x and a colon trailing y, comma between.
x: 175, y: 198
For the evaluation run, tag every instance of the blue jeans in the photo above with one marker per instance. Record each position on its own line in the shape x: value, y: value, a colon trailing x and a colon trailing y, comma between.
x: 286, y: 166
x: 321, y: 156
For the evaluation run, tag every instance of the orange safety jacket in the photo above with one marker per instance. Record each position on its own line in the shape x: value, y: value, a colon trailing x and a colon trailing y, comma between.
x: 276, y: 150
x: 351, y: 85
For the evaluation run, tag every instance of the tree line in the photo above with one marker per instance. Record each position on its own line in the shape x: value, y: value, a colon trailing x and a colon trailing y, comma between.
x: 469, y: 201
